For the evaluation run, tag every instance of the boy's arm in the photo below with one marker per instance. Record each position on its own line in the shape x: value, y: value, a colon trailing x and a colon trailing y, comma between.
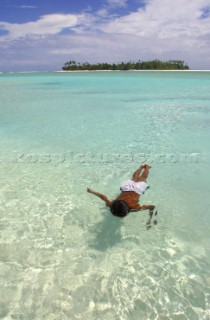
x: 144, y: 207
x: 101, y: 196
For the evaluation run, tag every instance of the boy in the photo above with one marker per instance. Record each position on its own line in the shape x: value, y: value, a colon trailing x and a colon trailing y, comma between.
x: 128, y: 200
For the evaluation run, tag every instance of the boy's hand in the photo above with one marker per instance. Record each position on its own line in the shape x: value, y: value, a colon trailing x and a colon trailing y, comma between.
x: 152, y: 207
x: 89, y: 190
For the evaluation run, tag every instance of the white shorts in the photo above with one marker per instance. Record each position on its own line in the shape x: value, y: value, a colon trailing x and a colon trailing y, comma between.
x: 138, y: 187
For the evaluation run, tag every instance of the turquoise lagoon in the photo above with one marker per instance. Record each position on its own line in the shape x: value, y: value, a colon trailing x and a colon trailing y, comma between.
x: 62, y: 254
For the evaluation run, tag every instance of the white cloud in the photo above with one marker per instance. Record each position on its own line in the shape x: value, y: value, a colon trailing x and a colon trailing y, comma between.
x: 26, y: 7
x: 117, y: 3
x: 163, y: 20
x: 178, y: 24
x: 48, y: 24
x: 110, y: 5
x: 103, y: 12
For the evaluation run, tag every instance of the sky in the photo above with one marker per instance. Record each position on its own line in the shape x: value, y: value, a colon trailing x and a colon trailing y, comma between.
x: 41, y: 35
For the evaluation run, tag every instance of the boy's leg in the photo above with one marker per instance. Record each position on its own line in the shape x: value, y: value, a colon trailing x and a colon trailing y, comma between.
x: 137, y: 173
x: 143, y: 177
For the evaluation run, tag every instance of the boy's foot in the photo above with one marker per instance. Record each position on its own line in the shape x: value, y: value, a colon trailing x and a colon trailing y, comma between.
x: 146, y: 164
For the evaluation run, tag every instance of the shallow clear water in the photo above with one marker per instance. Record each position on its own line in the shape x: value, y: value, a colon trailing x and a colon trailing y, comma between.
x: 62, y: 254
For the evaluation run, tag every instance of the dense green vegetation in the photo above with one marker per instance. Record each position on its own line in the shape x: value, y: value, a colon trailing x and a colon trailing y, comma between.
x: 139, y: 65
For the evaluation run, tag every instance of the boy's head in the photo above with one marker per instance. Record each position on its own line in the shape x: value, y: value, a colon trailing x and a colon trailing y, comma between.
x: 119, y: 208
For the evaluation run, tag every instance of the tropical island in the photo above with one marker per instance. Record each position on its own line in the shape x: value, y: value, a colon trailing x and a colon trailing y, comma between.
x: 124, y: 66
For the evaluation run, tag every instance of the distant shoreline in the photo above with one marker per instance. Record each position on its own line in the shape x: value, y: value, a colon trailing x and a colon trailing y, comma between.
x: 80, y: 71
x: 134, y: 70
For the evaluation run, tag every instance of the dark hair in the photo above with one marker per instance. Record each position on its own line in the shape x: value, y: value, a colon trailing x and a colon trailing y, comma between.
x: 119, y: 208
